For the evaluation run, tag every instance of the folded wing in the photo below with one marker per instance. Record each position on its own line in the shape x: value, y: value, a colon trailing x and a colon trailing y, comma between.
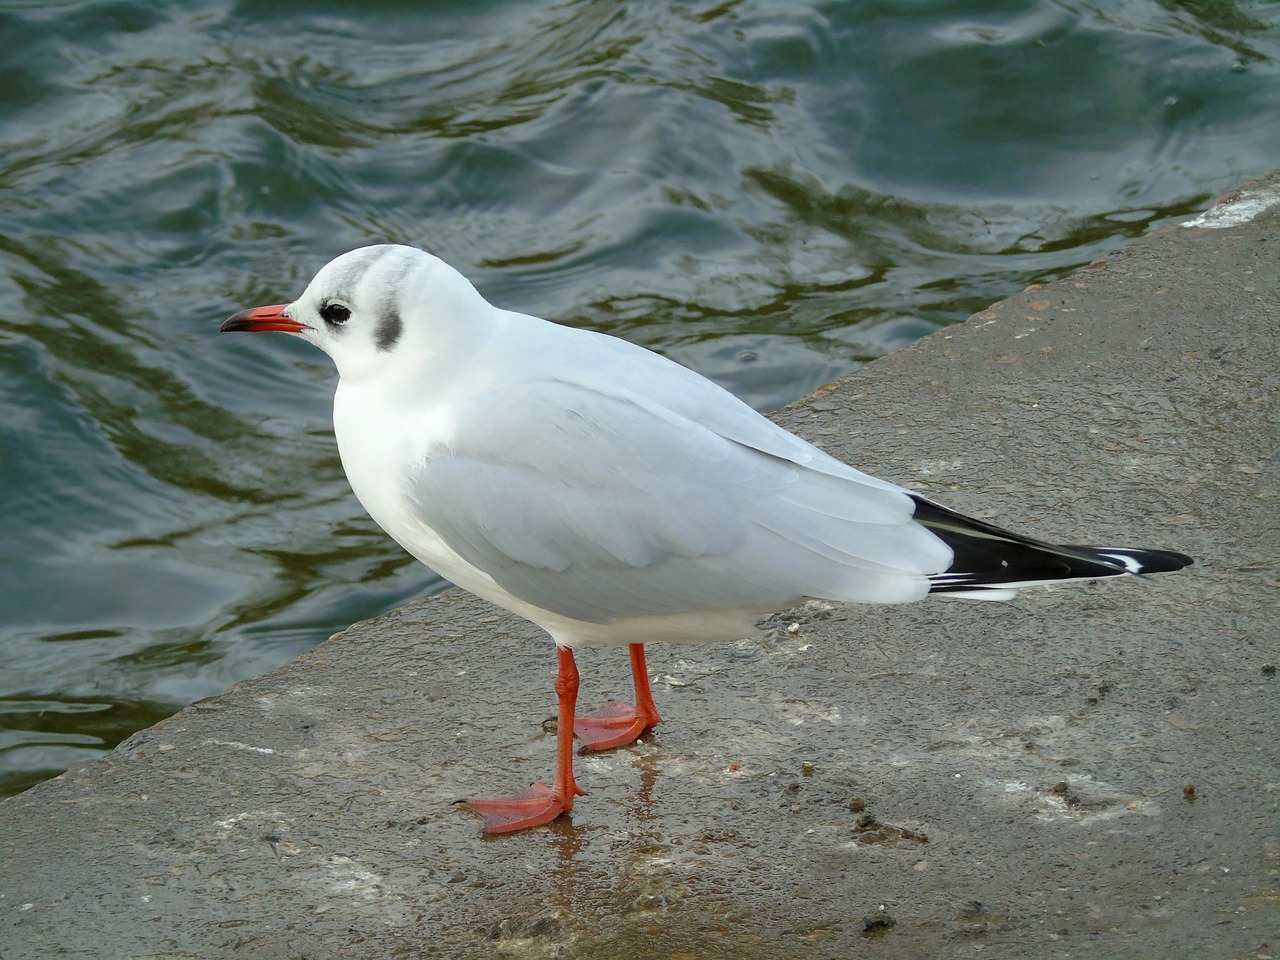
x: 599, y: 505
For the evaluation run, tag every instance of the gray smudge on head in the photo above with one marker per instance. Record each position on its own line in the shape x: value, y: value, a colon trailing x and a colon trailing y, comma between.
x: 392, y: 275
x: 391, y: 264
x: 389, y: 326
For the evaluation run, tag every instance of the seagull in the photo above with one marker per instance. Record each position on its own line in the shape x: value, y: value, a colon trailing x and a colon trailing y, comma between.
x: 610, y: 495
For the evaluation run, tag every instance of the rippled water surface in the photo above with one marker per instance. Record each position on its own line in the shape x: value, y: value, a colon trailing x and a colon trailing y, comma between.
x: 770, y: 192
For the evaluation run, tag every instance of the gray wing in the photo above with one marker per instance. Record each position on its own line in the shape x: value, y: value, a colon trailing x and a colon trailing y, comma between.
x: 599, y: 504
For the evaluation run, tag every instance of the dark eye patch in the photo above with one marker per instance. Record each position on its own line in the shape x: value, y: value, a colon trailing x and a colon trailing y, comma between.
x: 335, y: 313
x: 390, y: 327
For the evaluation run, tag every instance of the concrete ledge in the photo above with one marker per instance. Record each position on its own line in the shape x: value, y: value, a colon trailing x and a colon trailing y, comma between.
x: 1087, y: 771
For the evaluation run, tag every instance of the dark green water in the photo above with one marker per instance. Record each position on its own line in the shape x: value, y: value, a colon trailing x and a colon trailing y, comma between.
x: 770, y: 192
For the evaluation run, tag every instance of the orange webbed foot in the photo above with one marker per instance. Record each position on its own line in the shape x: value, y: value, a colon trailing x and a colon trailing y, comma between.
x: 533, y: 807
x: 616, y: 725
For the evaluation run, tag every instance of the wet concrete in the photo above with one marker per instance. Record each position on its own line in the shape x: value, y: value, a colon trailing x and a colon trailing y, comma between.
x: 1085, y: 771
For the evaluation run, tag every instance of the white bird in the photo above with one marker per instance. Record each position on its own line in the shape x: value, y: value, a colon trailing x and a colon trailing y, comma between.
x: 610, y: 495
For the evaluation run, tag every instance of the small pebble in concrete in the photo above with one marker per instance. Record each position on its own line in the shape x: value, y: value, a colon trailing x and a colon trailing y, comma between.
x: 878, y: 923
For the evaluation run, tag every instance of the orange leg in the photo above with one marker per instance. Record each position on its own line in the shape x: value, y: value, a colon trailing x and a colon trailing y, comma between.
x: 541, y: 804
x: 619, y: 723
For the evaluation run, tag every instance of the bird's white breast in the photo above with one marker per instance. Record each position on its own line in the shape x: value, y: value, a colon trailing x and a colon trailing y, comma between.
x: 382, y: 445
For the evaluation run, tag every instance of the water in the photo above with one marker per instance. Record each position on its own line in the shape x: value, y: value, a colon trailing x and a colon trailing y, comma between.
x: 770, y: 192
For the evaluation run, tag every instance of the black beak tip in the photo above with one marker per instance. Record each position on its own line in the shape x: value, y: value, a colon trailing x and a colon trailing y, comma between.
x: 239, y: 321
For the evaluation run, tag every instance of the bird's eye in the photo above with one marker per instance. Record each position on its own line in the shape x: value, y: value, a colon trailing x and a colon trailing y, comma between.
x: 335, y: 313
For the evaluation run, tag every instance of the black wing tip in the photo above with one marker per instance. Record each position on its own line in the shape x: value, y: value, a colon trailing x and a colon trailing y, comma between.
x: 988, y: 557
x: 1139, y: 561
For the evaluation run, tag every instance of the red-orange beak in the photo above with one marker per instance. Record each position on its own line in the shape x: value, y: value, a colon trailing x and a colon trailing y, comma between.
x: 256, y: 319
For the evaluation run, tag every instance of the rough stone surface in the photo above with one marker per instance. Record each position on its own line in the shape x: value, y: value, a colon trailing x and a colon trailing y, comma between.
x: 1086, y: 771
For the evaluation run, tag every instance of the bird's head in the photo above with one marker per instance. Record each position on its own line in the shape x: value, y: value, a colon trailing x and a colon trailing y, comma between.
x: 359, y: 308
